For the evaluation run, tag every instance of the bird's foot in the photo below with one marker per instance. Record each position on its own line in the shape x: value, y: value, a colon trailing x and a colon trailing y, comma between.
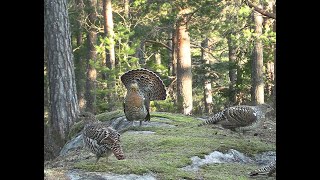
x: 96, y: 162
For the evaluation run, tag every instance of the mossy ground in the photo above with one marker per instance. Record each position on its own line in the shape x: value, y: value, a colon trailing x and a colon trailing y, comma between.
x: 166, y: 151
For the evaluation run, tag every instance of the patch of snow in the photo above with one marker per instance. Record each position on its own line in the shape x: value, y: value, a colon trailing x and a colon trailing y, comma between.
x: 232, y: 156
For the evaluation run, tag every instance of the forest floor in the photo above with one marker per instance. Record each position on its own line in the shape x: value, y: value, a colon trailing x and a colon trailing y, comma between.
x: 161, y: 152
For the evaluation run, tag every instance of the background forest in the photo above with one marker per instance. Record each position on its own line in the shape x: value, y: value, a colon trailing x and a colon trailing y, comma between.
x: 210, y: 54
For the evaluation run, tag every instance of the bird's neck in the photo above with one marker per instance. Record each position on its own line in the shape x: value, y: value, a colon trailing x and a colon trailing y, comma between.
x: 260, y: 113
x: 88, y: 122
x: 134, y: 98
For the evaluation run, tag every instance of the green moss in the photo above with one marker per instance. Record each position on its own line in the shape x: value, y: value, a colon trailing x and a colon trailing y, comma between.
x: 107, y: 116
x: 75, y: 129
x: 169, y: 149
x: 222, y: 171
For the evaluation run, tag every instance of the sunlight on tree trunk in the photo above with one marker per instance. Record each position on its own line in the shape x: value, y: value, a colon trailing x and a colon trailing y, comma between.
x: 108, y: 31
x: 184, y: 75
x: 157, y: 58
x: 257, y: 96
x: 110, y: 52
x: 126, y: 8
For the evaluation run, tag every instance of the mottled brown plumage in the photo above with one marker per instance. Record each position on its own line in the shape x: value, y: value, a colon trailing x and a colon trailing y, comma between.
x: 142, y: 87
x: 240, y: 118
x: 100, y: 139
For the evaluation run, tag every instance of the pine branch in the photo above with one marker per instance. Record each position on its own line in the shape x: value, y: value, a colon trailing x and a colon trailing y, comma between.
x: 261, y: 11
x: 205, y: 50
x: 156, y: 42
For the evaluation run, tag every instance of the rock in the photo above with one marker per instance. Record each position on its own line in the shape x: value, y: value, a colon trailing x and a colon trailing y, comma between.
x: 265, y: 158
x: 74, y: 143
x: 121, y: 124
x: 82, y: 175
x: 232, y: 156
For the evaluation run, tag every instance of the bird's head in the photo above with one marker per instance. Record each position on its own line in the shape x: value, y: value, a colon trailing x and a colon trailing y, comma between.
x: 134, y: 86
x: 266, y: 107
x: 86, y: 116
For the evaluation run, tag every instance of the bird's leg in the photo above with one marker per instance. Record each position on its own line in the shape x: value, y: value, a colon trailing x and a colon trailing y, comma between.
x: 140, y: 123
x: 97, y: 159
x: 240, y: 131
x: 217, y: 127
x: 240, y: 134
x: 271, y: 172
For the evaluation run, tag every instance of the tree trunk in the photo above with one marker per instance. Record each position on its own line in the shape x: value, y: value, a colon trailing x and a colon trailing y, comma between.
x: 80, y: 70
x: 80, y: 75
x: 91, y: 71
x: 79, y: 5
x: 110, y: 53
x: 46, y: 85
x: 169, y: 44
x: 257, y: 96
x: 240, y: 94
x: 270, y: 64
x: 174, y: 51
x: 108, y: 31
x: 184, y: 75
x: 275, y: 69
x: 207, y: 82
x: 270, y: 76
x: 157, y: 58
x: 140, y: 53
x: 126, y: 8
x: 232, y: 71
x: 63, y: 94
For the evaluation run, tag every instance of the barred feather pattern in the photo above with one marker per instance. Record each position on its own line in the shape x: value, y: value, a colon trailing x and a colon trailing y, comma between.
x: 136, y: 107
x: 265, y: 170
x: 239, y: 118
x: 149, y: 83
x: 142, y: 87
x: 101, y: 140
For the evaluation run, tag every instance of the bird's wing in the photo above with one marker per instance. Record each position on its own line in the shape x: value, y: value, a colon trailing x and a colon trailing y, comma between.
x: 99, y: 133
x: 240, y: 116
